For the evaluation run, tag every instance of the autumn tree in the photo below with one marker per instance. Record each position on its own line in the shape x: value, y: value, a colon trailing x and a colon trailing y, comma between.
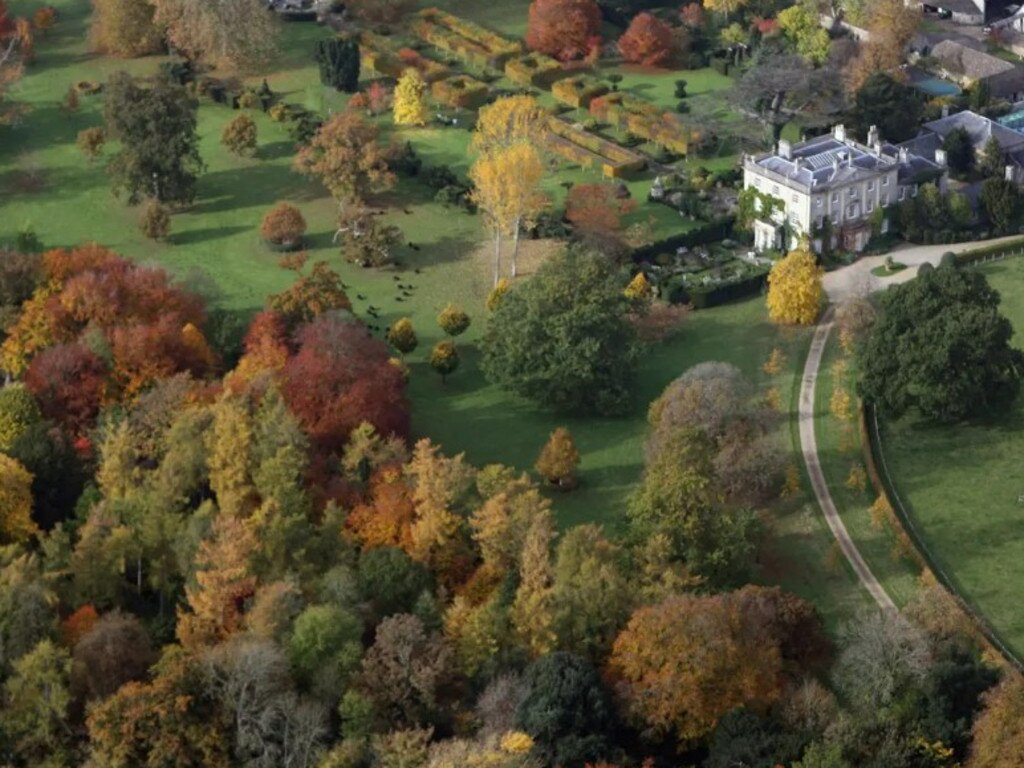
x: 239, y: 135
x: 16, y: 524
x: 559, y: 459
x: 892, y: 25
x: 283, y: 225
x: 596, y: 209
x: 565, y: 29
x: 18, y: 413
x: 171, y: 721
x: 681, y: 665
x: 795, y: 293
x: 725, y: 7
x: 507, y: 121
x: 310, y: 296
x: 70, y: 382
x: 410, y: 105
x: 562, y: 339
x: 156, y: 127
x: 155, y: 222
x: 532, y: 613
x: 116, y: 650
x: 998, y: 738
x: 124, y: 28
x: 502, y: 524
x: 223, y: 584
x: 453, y: 320
x: 507, y: 187
x: 444, y: 359
x: 340, y: 377
x: 402, y: 336
x: 648, y: 41
x: 345, y: 156
x: 236, y: 33
x: 408, y: 672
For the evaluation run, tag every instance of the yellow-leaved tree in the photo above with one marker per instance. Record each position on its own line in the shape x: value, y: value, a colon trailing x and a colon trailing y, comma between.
x: 410, y: 105
x: 507, y: 182
x: 508, y: 121
x: 794, y: 289
x: 15, y: 501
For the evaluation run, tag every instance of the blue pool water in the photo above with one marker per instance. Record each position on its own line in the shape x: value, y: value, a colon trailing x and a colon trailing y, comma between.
x: 1013, y: 121
x: 935, y: 86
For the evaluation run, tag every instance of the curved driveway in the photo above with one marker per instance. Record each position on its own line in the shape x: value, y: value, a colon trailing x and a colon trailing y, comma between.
x: 855, y: 280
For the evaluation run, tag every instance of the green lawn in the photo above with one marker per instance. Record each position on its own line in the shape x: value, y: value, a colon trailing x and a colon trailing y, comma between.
x: 840, y: 450
x: 214, y: 245
x: 963, y: 486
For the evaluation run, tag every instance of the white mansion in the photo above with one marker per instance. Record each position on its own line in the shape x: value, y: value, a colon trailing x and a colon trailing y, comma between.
x: 833, y: 184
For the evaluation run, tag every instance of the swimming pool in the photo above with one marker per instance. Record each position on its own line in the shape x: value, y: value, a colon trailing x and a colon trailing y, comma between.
x: 1014, y: 121
x: 935, y: 86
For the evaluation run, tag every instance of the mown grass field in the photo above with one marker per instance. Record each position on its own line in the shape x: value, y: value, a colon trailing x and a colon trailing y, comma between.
x: 840, y: 450
x: 963, y: 485
x: 215, y: 248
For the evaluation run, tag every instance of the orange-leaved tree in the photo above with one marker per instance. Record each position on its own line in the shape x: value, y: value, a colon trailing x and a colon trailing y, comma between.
x: 565, y: 29
x: 795, y: 292
x: 648, y: 41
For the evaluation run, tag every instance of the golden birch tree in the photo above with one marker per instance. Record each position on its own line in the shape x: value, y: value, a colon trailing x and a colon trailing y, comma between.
x: 533, y: 608
x: 795, y: 293
x: 410, y: 106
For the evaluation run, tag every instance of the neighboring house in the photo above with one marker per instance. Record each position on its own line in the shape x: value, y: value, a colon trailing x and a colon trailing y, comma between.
x: 833, y: 185
x: 967, y: 65
x: 979, y: 129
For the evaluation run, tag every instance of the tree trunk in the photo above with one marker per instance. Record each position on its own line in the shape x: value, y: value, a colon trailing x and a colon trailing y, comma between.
x: 497, y: 256
x: 515, y: 248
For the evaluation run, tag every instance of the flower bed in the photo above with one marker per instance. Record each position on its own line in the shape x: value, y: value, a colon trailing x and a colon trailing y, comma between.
x: 460, y: 91
x: 536, y: 69
x: 578, y: 91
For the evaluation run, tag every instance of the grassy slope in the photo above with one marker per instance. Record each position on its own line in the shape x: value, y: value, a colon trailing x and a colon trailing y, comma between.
x: 898, y: 576
x: 216, y: 241
x: 962, y: 485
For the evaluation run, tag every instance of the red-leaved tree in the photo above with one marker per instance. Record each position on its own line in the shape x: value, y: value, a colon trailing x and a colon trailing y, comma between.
x: 565, y: 29
x: 341, y: 376
x: 69, y: 381
x: 596, y: 208
x: 648, y: 41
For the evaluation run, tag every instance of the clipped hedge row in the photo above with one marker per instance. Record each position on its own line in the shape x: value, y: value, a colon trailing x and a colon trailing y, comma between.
x: 461, y: 91
x: 468, y: 41
x: 578, y: 92
x: 712, y: 232
x: 712, y: 296
x: 535, y: 69
x: 643, y: 119
x: 1014, y: 247
x: 595, y: 143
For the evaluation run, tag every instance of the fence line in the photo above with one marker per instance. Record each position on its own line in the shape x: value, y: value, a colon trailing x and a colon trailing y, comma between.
x: 877, y: 456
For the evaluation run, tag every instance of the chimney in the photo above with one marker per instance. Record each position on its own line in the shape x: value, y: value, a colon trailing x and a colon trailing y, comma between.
x: 835, y: 164
x: 839, y: 132
x: 874, y: 138
x: 945, y: 110
x: 785, y: 149
x: 940, y: 157
x: 1010, y: 174
x: 877, y: 148
x: 903, y: 156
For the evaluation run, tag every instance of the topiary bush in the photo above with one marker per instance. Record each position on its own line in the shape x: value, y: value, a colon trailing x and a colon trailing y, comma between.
x: 283, y: 227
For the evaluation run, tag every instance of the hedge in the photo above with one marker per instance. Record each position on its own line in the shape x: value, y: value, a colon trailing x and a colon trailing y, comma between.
x: 460, y: 91
x: 643, y: 119
x: 535, y: 69
x: 712, y: 232
x: 983, y: 254
x: 578, y: 91
x: 617, y: 160
x: 468, y: 41
x: 712, y: 296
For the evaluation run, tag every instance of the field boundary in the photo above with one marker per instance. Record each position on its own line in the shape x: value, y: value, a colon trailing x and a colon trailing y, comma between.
x: 881, y: 478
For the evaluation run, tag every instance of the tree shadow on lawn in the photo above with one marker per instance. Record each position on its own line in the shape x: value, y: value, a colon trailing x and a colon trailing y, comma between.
x: 194, y: 236
x: 276, y: 150
x: 255, y: 186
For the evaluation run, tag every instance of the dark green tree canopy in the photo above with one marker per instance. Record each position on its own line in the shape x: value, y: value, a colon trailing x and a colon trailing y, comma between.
x: 567, y: 711
x: 563, y: 340
x: 156, y: 125
x: 941, y: 347
x: 339, y: 64
x: 959, y: 150
x: 889, y: 104
x: 1002, y: 203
